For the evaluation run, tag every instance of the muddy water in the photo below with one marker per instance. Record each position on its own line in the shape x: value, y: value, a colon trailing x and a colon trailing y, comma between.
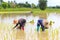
x: 30, y: 33
x: 6, y: 32
x: 54, y: 30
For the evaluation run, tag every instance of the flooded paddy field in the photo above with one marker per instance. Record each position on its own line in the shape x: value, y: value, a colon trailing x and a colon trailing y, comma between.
x: 30, y: 32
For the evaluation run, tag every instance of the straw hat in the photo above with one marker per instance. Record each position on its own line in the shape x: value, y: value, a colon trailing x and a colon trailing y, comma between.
x: 15, y: 21
x: 45, y: 23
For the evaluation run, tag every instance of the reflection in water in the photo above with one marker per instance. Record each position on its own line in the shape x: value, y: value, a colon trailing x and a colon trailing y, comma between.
x: 30, y: 32
x: 54, y: 31
x: 7, y: 25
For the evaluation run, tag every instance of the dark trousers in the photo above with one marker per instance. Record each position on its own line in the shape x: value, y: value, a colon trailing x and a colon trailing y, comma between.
x: 40, y: 22
x: 42, y: 27
x: 21, y: 26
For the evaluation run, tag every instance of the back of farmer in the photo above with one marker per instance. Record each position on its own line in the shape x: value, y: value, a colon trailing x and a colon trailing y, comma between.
x: 21, y: 22
x: 43, y: 23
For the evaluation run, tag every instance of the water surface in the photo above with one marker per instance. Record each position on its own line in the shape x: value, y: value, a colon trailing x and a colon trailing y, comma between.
x: 30, y: 33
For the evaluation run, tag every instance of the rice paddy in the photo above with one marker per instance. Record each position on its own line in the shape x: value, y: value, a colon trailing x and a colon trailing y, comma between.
x: 30, y: 33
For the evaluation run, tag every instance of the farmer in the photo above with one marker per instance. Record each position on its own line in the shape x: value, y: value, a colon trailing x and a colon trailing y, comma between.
x: 43, y: 23
x: 21, y: 22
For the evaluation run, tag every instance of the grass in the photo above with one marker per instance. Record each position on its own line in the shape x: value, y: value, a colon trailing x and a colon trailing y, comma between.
x: 15, y: 12
x: 38, y: 11
x: 35, y: 11
x: 15, y: 9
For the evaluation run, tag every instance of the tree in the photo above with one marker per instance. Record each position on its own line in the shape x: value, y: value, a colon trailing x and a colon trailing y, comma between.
x: 27, y: 5
x: 21, y: 5
x: 15, y: 3
x: 42, y: 4
x: 4, y: 5
x: 33, y: 5
x: 57, y: 6
x: 1, y: 2
x: 9, y: 4
x: 12, y: 4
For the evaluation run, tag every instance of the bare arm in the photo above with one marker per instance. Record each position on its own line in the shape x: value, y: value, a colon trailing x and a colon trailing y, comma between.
x: 15, y: 26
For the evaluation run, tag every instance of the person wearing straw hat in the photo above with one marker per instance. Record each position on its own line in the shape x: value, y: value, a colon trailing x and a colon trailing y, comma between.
x: 43, y: 23
x: 21, y: 22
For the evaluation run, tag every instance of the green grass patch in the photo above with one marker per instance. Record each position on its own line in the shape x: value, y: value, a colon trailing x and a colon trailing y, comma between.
x: 35, y: 11
x: 15, y: 9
